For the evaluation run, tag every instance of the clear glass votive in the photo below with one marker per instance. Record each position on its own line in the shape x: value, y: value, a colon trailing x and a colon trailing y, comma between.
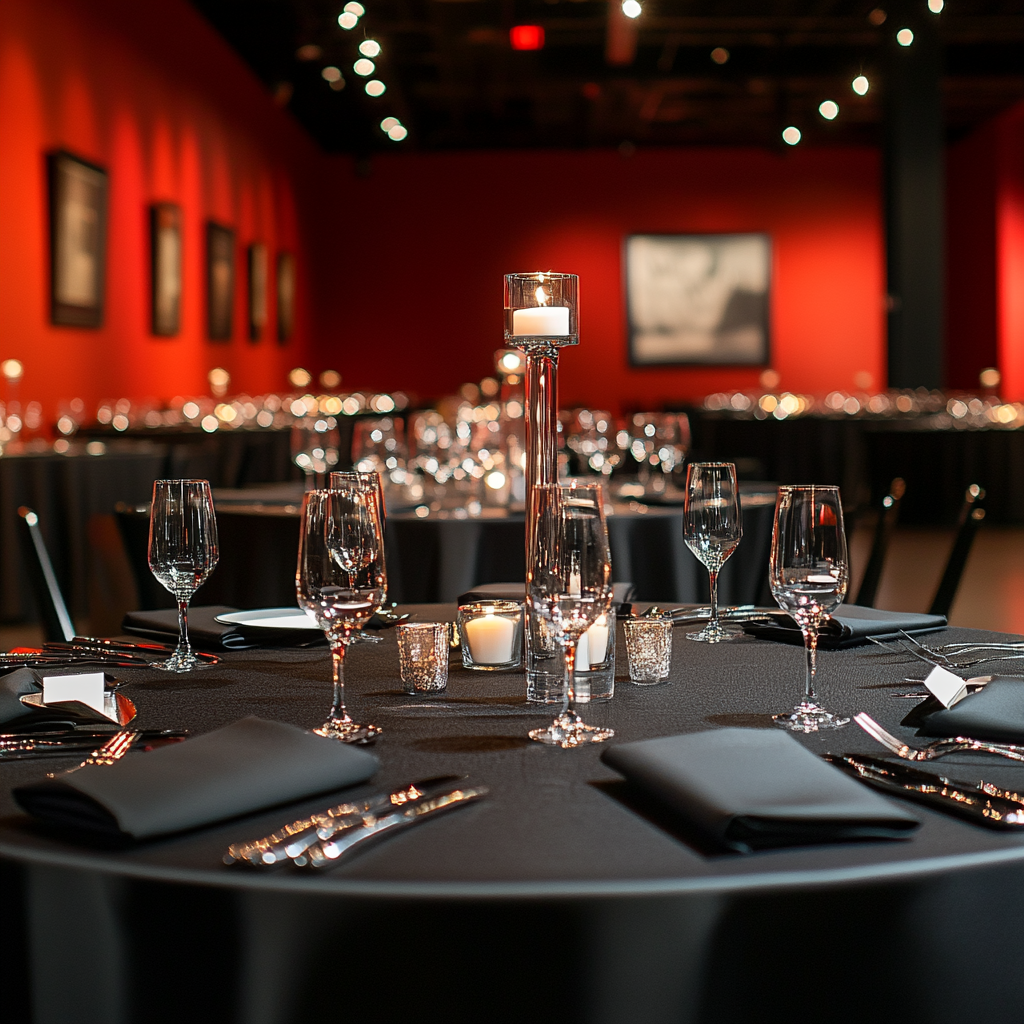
x: 595, y: 661
x: 648, y: 650
x: 492, y: 635
x: 423, y: 656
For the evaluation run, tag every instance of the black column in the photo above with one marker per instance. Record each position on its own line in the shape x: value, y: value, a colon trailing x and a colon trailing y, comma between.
x: 914, y: 191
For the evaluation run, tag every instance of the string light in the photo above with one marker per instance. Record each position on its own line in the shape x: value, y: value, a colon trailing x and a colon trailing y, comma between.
x: 791, y: 135
x: 860, y: 85
x: 904, y: 37
x: 364, y: 67
x: 935, y: 6
x: 719, y: 54
x: 369, y: 48
x: 829, y: 110
x: 375, y: 87
x: 631, y: 8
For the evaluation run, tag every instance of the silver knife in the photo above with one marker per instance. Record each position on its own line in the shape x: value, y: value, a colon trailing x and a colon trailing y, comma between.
x: 982, y: 803
x: 272, y: 849
x: 327, y: 852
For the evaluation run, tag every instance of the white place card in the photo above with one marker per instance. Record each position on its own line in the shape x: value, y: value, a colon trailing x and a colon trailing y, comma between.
x: 86, y: 688
x: 945, y: 687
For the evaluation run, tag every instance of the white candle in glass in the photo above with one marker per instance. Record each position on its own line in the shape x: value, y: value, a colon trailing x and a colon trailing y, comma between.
x: 490, y: 639
x: 548, y: 321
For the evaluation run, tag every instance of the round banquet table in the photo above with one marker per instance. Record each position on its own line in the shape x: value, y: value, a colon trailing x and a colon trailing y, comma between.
x: 562, y: 896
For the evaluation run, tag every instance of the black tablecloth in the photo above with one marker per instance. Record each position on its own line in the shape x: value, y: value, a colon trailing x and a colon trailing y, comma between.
x: 558, y: 898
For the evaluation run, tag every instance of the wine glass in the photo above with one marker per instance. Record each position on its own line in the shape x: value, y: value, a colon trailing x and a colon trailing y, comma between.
x: 183, y: 551
x: 712, y: 528
x: 809, y: 575
x: 340, y: 581
x: 568, y: 586
x: 368, y: 483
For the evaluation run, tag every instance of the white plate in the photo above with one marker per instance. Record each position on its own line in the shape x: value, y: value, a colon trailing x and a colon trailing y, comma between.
x: 271, y: 618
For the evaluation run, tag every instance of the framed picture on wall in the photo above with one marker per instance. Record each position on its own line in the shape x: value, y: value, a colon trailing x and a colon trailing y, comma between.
x: 285, y: 296
x: 257, y: 290
x: 78, y: 240
x: 165, y: 246
x: 698, y: 299
x: 220, y: 280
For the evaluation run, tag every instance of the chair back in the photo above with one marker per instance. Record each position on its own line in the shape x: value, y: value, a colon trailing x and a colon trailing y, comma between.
x: 53, y: 611
x: 971, y: 515
x: 888, y: 517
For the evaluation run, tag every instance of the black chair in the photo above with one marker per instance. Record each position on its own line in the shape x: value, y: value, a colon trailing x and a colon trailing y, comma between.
x: 887, y: 519
x: 53, y: 611
x: 971, y: 515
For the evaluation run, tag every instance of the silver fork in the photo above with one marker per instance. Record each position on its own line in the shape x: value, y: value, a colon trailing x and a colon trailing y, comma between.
x: 937, y: 748
x: 113, y: 750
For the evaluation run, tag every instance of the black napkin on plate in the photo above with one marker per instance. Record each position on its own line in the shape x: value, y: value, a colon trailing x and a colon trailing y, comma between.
x: 247, y: 766
x: 995, y: 712
x: 849, y: 626
x: 753, y: 789
x: 205, y: 632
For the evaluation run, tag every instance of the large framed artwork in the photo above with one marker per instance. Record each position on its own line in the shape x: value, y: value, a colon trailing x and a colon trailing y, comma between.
x: 78, y: 240
x: 165, y: 246
x: 257, y: 290
x: 220, y: 280
x: 285, y: 296
x: 698, y: 299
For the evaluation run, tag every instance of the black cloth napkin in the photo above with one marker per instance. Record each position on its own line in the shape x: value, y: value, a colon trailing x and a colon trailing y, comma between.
x: 206, y: 633
x: 247, y: 766
x: 849, y: 626
x: 753, y: 789
x: 13, y: 686
x: 995, y: 712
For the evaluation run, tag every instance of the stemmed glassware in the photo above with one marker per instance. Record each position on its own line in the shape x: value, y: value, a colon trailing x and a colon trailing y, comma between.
x: 341, y: 582
x: 712, y: 528
x: 569, y: 587
x: 316, y: 446
x: 809, y: 573
x: 183, y: 551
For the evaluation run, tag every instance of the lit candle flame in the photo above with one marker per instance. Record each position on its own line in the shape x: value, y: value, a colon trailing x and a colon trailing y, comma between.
x: 542, y: 296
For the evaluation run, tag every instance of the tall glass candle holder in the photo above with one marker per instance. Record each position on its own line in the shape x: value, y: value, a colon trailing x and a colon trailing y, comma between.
x: 541, y: 317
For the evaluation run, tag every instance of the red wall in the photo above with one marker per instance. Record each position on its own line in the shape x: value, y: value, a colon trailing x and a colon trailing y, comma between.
x: 149, y: 91
x: 428, y: 239
x: 1010, y: 251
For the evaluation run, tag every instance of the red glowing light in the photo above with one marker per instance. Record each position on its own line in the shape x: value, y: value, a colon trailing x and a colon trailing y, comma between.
x: 526, y: 37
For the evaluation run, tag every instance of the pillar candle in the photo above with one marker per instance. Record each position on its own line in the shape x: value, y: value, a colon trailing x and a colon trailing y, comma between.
x: 548, y: 321
x: 490, y: 639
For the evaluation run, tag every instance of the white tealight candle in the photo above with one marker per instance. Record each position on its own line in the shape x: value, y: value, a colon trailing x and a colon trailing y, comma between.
x: 490, y: 639
x: 546, y: 321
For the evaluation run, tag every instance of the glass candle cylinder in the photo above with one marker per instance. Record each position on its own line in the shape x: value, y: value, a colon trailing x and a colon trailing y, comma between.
x: 595, y: 661
x: 648, y: 650
x: 541, y: 305
x: 492, y: 635
x: 423, y: 656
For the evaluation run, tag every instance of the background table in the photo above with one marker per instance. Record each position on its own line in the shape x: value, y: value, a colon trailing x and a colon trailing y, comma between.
x: 439, y: 557
x: 558, y: 898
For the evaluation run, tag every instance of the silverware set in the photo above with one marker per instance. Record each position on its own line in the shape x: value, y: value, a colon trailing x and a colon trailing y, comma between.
x: 936, y: 748
x: 322, y: 839
x: 950, y: 656
x: 26, y: 746
x: 81, y: 650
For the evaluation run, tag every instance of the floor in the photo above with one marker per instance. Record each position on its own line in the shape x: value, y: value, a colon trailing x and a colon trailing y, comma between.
x: 991, y: 595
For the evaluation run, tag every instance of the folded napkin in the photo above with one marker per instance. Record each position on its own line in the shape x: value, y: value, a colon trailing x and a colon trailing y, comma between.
x: 13, y: 686
x: 849, y: 626
x: 244, y: 767
x: 206, y: 633
x: 995, y: 712
x: 753, y: 789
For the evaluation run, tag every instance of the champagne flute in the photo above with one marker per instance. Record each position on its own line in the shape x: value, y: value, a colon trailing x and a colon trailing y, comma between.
x: 712, y: 528
x: 809, y: 574
x: 568, y: 586
x: 340, y: 581
x: 183, y: 551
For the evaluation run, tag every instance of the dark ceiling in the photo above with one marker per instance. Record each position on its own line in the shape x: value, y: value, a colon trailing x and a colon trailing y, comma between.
x: 454, y: 81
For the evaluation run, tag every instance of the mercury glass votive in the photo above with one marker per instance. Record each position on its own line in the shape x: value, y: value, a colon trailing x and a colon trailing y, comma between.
x: 492, y: 635
x: 423, y: 656
x: 648, y: 650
